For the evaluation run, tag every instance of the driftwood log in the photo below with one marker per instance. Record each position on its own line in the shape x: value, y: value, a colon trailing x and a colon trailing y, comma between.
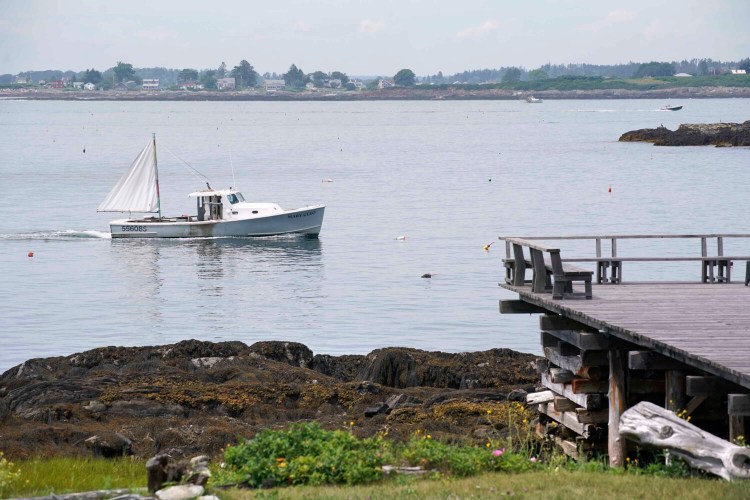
x: 652, y: 425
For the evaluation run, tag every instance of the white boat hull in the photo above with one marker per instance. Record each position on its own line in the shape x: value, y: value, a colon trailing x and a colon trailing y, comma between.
x: 305, y: 221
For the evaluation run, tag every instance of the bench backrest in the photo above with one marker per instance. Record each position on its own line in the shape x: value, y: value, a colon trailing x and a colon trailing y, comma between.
x: 531, y: 244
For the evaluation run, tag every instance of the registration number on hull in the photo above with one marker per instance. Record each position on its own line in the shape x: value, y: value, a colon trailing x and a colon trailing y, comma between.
x: 137, y: 229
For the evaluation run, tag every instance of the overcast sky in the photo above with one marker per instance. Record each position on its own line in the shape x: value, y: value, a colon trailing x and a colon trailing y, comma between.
x: 365, y: 37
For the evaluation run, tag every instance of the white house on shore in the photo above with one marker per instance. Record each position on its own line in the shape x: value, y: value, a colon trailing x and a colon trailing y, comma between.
x: 150, y: 84
x: 738, y: 72
x: 89, y: 86
x: 226, y: 83
x: 275, y: 85
x: 386, y: 83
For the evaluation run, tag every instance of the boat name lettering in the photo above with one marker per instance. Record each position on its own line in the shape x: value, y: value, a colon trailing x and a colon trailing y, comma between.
x: 302, y: 214
x: 134, y: 228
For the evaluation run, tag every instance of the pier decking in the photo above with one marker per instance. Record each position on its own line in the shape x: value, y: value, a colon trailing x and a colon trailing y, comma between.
x: 703, y: 326
x: 684, y: 345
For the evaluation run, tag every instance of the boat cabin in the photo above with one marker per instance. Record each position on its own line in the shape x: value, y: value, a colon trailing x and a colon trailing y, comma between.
x: 228, y: 204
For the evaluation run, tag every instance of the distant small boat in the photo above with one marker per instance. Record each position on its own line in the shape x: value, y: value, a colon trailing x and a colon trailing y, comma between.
x: 669, y: 107
x: 533, y: 100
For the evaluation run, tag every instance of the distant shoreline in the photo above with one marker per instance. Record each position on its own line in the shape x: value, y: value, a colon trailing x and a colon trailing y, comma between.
x: 394, y: 94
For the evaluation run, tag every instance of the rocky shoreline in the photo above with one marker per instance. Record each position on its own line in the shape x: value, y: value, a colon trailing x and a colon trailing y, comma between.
x: 717, y: 134
x: 195, y: 397
x: 398, y: 93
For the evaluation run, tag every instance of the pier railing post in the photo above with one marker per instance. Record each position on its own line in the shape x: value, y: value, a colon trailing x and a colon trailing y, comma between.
x: 616, y: 446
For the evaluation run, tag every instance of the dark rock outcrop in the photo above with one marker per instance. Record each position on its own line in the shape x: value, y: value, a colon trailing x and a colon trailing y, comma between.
x: 195, y: 397
x: 717, y: 134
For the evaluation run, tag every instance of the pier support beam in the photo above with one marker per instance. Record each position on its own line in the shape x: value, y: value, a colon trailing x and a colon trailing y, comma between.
x: 674, y: 396
x: 616, y: 447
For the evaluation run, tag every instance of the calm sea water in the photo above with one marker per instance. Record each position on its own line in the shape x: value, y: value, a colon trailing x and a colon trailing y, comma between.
x: 450, y: 176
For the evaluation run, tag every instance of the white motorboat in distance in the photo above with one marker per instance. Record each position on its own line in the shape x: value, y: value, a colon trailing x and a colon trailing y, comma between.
x: 533, y: 100
x: 669, y: 107
x: 220, y: 212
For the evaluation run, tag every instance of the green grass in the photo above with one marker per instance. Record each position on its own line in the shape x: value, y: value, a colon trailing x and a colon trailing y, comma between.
x: 38, y: 477
x: 589, y: 480
x: 548, y: 484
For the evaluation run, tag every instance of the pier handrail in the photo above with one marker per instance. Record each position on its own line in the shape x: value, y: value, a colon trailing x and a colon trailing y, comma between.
x: 718, y: 259
x: 614, y: 237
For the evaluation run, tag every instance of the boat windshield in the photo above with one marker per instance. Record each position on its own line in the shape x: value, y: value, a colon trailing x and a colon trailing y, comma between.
x: 235, y: 198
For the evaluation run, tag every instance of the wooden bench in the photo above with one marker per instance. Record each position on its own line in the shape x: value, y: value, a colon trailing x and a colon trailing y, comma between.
x: 564, y: 275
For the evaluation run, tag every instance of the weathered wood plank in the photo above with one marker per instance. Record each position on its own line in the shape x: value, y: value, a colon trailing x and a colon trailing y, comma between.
x: 540, y: 397
x: 564, y: 404
x: 649, y: 360
x: 616, y: 448
x: 585, y: 416
x: 519, y: 307
x: 561, y: 376
x: 585, y: 386
x: 699, y: 386
x: 591, y: 341
x: 549, y: 323
x: 738, y: 404
x: 567, y: 419
x: 576, y: 363
x: 590, y: 401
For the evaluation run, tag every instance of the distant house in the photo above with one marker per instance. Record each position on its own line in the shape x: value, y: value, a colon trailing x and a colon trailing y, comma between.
x: 334, y: 83
x: 738, y: 72
x: 275, y: 85
x: 226, y: 83
x: 192, y: 86
x: 89, y: 86
x: 310, y: 86
x: 78, y: 85
x: 358, y: 84
x: 386, y: 83
x: 20, y: 79
x: 683, y: 75
x: 58, y: 84
x: 150, y: 84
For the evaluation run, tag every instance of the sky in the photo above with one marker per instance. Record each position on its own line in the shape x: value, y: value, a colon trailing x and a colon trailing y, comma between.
x: 376, y: 38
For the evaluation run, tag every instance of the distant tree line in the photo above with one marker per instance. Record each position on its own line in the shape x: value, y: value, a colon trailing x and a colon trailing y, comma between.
x: 247, y: 77
x: 699, y: 67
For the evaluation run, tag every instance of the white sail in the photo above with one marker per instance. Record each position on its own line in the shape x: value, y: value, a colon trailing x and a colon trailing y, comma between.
x: 136, y: 191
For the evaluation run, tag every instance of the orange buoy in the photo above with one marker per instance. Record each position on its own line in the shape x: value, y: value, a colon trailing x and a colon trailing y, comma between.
x: 610, y: 189
x: 31, y: 254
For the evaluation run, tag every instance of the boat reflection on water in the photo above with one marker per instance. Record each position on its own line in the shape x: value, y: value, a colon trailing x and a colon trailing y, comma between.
x: 220, y: 284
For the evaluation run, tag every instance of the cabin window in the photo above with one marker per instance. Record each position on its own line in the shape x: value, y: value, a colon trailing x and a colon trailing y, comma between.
x: 232, y: 199
x: 240, y: 197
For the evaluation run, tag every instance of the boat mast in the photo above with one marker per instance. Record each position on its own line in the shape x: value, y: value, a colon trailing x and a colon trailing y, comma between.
x: 156, y: 170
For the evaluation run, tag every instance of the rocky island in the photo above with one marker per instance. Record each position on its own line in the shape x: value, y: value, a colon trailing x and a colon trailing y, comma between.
x: 717, y: 134
x: 196, y: 397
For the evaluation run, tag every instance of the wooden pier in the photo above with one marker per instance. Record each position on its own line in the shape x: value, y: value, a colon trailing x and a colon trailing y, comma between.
x: 684, y: 345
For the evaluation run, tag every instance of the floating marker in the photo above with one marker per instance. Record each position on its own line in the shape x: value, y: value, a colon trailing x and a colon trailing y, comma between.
x: 610, y: 189
x: 401, y: 238
x: 427, y: 275
x: 31, y: 254
x: 487, y: 247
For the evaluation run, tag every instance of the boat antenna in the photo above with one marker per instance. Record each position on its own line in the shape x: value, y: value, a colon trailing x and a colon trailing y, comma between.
x: 231, y: 164
x: 192, y: 169
x: 156, y: 170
